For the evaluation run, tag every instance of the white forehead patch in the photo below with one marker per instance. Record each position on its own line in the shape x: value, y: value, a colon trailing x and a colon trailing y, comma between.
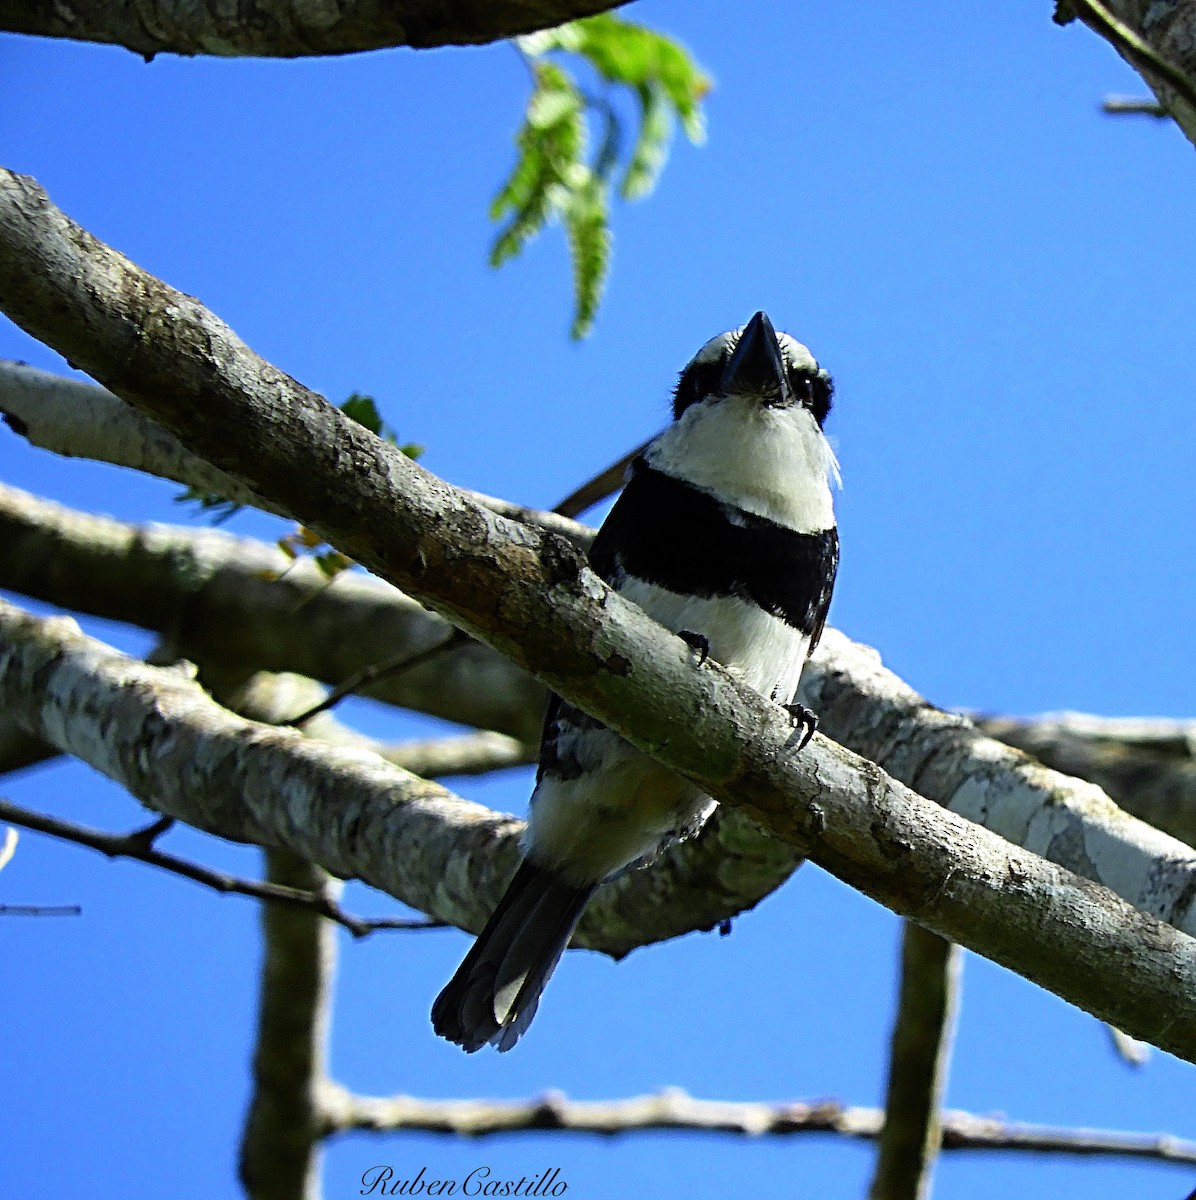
x: 793, y: 352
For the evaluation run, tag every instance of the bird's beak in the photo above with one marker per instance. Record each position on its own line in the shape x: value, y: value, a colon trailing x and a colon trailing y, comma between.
x: 756, y: 367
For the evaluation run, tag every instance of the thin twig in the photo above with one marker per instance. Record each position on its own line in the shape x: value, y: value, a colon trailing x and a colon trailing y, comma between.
x: 40, y: 910
x: 674, y: 1110
x: 392, y: 666
x: 918, y: 1059
x: 139, y: 845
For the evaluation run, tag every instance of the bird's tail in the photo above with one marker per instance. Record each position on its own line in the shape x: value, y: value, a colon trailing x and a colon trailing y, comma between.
x: 495, y: 992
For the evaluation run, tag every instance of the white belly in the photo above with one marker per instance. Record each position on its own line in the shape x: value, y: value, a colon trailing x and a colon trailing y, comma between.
x: 762, y: 650
x: 624, y: 805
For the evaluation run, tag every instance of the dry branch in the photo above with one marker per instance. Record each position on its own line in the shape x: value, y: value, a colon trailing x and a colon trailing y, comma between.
x: 281, y: 1141
x: 674, y: 1110
x: 140, y: 845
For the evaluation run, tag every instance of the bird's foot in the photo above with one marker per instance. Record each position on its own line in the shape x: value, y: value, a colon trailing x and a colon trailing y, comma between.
x: 699, y: 643
x: 803, y: 719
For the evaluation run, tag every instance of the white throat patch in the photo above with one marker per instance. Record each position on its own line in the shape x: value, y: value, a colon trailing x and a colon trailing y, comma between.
x: 774, y: 462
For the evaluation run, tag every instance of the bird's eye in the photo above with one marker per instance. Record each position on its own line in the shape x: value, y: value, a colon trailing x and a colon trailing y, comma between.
x: 822, y: 390
x: 801, y: 384
x: 812, y: 391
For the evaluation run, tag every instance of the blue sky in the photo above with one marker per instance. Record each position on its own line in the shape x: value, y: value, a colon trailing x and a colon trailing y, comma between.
x: 1001, y: 281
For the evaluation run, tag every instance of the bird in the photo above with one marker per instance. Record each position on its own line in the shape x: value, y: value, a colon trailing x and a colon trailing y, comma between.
x: 725, y: 534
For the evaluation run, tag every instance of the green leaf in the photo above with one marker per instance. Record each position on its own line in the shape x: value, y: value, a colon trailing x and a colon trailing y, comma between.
x: 587, y: 224
x: 555, y: 177
x: 331, y: 563
x: 651, y: 149
x: 364, y: 410
x: 551, y: 144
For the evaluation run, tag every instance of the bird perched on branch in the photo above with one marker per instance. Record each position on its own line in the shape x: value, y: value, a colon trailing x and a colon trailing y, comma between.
x: 725, y: 534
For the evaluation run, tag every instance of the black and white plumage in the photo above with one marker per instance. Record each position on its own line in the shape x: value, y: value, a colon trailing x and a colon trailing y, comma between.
x: 725, y: 534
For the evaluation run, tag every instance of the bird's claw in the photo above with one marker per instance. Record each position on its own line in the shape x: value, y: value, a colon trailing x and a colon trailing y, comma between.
x: 697, y: 642
x: 802, y: 718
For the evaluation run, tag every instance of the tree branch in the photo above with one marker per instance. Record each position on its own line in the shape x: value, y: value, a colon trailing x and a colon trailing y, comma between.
x: 281, y: 1141
x: 918, y: 1061
x: 1147, y: 766
x: 207, y: 589
x: 276, y: 698
x: 946, y: 759
x: 238, y: 602
x: 288, y: 28
x: 158, y: 734
x: 532, y: 596
x: 78, y: 419
x: 1155, y: 37
x: 140, y: 845
x: 674, y: 1110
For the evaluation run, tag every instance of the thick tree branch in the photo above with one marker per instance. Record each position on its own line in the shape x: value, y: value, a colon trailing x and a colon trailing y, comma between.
x: 208, y: 589
x: 676, y: 1111
x: 944, y: 758
x: 1147, y: 765
x: 78, y: 419
x: 157, y: 733
x: 918, y: 1063
x: 224, y: 600
x: 532, y: 596
x: 288, y: 28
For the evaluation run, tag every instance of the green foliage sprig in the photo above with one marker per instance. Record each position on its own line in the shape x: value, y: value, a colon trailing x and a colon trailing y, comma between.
x: 555, y: 174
